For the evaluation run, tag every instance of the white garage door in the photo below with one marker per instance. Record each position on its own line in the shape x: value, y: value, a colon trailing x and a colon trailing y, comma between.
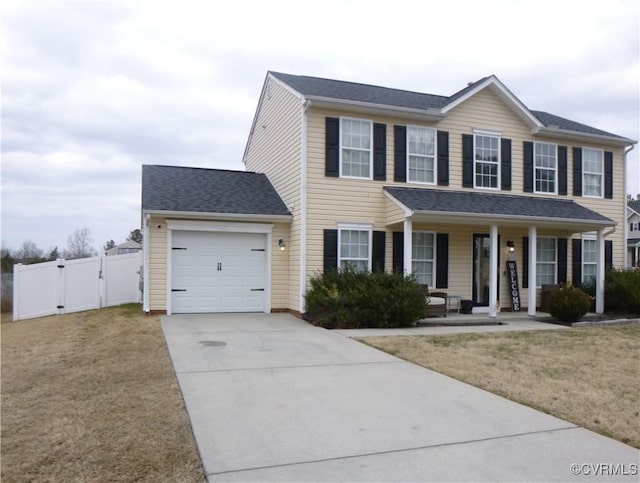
x: 218, y: 272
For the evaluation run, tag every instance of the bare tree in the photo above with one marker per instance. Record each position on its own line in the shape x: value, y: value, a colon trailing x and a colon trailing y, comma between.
x: 29, y: 252
x: 79, y: 245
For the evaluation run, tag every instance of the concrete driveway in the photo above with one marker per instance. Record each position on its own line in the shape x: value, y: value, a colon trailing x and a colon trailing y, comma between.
x: 272, y: 398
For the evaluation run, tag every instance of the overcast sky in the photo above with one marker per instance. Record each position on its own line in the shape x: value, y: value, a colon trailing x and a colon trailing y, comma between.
x: 93, y: 90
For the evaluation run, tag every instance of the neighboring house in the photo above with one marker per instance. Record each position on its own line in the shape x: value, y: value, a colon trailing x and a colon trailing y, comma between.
x: 444, y: 187
x: 633, y: 235
x: 126, y: 247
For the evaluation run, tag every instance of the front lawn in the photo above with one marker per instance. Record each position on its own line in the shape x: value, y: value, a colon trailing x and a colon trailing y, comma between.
x: 589, y: 376
x: 92, y: 396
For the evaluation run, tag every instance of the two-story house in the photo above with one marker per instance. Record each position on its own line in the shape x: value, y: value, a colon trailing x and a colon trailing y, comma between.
x: 445, y: 187
x: 633, y: 235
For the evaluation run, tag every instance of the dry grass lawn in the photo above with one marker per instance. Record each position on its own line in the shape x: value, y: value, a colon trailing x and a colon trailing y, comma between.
x: 589, y: 376
x: 92, y: 396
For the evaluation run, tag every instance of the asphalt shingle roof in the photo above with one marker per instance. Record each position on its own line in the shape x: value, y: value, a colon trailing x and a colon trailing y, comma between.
x: 635, y: 205
x: 353, y: 91
x: 470, y: 202
x: 175, y: 188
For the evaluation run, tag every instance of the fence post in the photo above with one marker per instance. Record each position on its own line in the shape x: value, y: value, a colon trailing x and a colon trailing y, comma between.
x: 60, y: 286
x: 102, y: 286
x: 16, y: 283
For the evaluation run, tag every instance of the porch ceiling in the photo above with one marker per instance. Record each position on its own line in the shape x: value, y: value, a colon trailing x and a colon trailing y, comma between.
x: 469, y: 207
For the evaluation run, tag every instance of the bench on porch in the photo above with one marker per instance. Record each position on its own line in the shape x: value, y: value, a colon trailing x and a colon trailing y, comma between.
x: 437, y: 302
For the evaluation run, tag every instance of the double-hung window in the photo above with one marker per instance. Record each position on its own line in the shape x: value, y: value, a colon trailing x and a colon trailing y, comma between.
x: 354, y: 245
x: 545, y: 157
x: 589, y: 259
x: 486, y: 164
x: 424, y: 256
x: 546, y: 260
x: 421, y: 149
x: 355, y: 150
x: 592, y: 172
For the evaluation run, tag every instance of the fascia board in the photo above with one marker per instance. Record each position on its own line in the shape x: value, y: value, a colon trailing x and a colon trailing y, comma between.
x: 219, y: 216
x: 575, y: 135
x: 431, y: 114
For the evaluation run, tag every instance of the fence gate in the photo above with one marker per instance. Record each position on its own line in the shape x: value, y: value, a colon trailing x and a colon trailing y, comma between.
x: 67, y: 286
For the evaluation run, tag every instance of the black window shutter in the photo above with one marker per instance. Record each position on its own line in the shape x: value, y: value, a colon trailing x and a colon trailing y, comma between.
x: 330, y: 261
x: 377, y: 251
x: 562, y: 170
x: 400, y: 153
x: 576, y: 263
x: 608, y: 174
x: 467, y: 161
x: 505, y: 164
x: 332, y: 147
x: 562, y: 260
x: 380, y: 152
x: 527, y: 153
x: 525, y: 262
x: 398, y: 251
x: 608, y: 254
x: 577, y: 171
x: 443, y: 158
x: 442, y: 262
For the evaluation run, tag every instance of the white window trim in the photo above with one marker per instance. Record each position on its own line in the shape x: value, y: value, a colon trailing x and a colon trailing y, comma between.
x: 601, y: 195
x: 435, y: 255
x: 555, y: 170
x: 340, y: 148
x: 487, y: 133
x: 355, y: 227
x: 555, y: 262
x: 587, y: 237
x: 435, y: 156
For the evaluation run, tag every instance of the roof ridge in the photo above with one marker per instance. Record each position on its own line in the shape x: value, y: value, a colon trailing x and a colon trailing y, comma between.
x: 200, y: 167
x: 361, y: 84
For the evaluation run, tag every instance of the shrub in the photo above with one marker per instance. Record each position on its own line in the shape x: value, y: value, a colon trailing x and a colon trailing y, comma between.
x: 621, y: 290
x: 349, y: 299
x: 569, y: 304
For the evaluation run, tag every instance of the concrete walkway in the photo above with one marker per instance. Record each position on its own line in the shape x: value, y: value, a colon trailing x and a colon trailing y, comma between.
x: 272, y: 398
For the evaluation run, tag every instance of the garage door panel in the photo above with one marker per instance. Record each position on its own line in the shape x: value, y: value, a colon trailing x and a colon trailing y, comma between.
x: 218, y: 272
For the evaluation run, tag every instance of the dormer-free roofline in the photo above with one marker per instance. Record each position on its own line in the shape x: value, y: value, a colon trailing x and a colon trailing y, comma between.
x: 371, y: 99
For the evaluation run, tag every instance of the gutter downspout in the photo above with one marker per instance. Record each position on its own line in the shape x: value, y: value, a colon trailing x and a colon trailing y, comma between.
x: 303, y: 207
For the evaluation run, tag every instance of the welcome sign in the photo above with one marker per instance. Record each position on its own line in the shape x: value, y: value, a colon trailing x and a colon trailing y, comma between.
x: 512, y: 273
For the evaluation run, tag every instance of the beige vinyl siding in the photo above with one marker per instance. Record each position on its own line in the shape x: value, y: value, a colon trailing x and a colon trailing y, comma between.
x: 338, y: 200
x: 275, y: 148
x: 280, y: 275
x: 157, y: 285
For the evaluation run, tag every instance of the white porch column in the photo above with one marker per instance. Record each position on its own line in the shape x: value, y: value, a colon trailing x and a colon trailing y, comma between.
x: 408, y: 244
x: 533, y: 243
x: 493, y: 271
x: 600, y: 272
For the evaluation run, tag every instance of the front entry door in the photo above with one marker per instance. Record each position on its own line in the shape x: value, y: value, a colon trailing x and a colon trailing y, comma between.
x: 481, y: 253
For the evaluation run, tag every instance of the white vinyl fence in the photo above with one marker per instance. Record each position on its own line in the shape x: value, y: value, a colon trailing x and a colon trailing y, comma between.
x: 66, y: 286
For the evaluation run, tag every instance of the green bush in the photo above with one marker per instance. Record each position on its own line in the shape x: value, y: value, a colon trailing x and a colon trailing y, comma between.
x: 349, y: 299
x: 569, y: 304
x: 621, y: 290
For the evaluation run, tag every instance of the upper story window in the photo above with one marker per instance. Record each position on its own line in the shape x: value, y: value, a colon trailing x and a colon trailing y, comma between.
x: 421, y: 149
x: 354, y: 244
x: 424, y: 259
x: 633, y: 226
x: 486, y: 164
x: 546, y: 260
x: 355, y: 148
x: 592, y: 172
x: 545, y: 167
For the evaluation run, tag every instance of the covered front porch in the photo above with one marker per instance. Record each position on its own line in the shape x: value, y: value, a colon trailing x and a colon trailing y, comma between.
x: 495, y: 249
